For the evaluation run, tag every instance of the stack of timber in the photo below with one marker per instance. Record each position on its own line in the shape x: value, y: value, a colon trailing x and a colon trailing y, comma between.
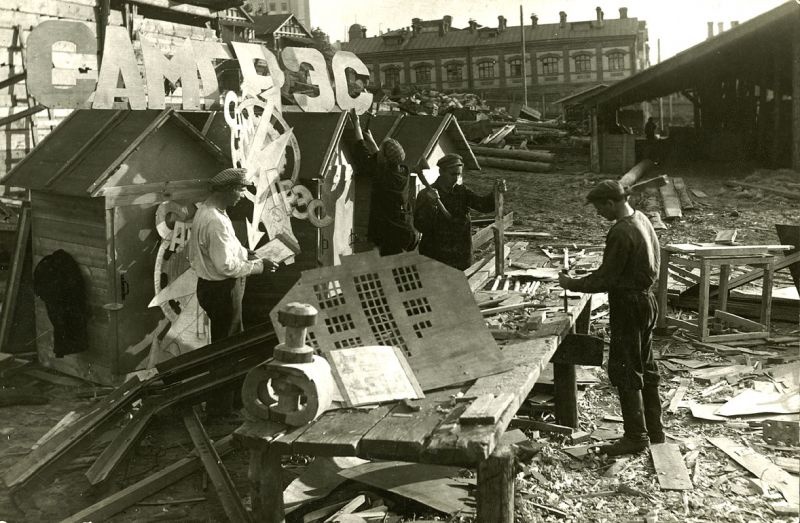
x: 23, y: 122
x: 514, y: 159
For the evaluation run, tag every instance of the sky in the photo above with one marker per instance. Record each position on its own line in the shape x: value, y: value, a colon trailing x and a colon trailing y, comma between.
x: 678, y: 24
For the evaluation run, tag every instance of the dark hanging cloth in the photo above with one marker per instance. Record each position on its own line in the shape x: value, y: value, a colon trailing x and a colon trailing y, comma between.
x: 58, y: 281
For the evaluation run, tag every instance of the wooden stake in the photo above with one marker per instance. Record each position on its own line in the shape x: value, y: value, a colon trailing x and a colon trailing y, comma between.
x: 499, y: 229
x: 496, y: 487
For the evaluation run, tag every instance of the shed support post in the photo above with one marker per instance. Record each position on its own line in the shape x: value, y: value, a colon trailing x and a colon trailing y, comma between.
x: 796, y: 96
x: 777, y: 94
x: 594, y: 151
x: 496, y: 487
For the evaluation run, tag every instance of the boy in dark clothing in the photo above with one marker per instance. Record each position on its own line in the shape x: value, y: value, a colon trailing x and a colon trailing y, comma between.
x: 629, y: 270
x: 442, y: 215
x: 390, y: 222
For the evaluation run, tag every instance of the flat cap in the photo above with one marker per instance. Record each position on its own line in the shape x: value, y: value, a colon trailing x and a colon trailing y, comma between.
x: 393, y: 151
x: 230, y: 177
x: 450, y: 160
x: 607, y: 190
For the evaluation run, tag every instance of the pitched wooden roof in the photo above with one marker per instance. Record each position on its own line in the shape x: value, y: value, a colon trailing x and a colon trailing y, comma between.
x: 80, y: 155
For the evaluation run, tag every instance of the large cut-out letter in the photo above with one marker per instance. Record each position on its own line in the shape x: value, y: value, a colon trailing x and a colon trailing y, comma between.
x: 119, y: 61
x: 181, y: 67
x: 317, y: 76
x: 72, y: 88
x: 342, y: 61
x: 205, y: 53
x: 254, y: 84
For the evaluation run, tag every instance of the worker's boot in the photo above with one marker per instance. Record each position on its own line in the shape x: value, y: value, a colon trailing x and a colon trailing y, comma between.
x: 652, y: 413
x: 635, y: 437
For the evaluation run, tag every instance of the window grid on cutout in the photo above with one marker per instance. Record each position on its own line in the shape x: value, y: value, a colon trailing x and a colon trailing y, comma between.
x: 406, y: 278
x: 376, y: 310
x: 422, y: 326
x: 329, y: 294
x: 311, y: 339
x: 348, y: 342
x: 417, y: 306
x: 341, y: 323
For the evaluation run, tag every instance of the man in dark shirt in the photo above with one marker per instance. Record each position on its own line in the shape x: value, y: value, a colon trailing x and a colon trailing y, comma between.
x: 629, y: 269
x: 442, y: 215
x: 390, y: 221
x: 650, y: 130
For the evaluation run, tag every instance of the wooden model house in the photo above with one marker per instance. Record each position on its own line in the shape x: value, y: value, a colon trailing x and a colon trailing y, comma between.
x: 95, y: 185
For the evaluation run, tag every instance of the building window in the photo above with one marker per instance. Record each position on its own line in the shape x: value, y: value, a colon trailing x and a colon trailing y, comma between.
x: 550, y: 65
x: 284, y: 6
x: 616, y: 61
x: 391, y: 77
x: 583, y: 63
x: 273, y: 6
x: 423, y: 74
x: 454, y: 73
x: 515, y: 67
x: 486, y: 70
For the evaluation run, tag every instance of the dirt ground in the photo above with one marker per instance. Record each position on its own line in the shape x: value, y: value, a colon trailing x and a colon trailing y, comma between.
x: 551, y: 485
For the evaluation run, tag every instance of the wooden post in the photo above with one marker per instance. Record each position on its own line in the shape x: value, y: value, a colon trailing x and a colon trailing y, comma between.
x: 724, y: 275
x: 777, y: 94
x: 796, y: 96
x: 499, y: 230
x: 496, y: 487
x: 565, y: 392
x: 766, y: 295
x: 661, y: 324
x: 594, y: 146
x: 266, y: 485
x: 702, y: 300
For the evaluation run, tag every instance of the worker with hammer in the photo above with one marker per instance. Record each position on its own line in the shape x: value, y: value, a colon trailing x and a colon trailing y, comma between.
x: 442, y: 214
x: 390, y: 221
x: 628, y: 273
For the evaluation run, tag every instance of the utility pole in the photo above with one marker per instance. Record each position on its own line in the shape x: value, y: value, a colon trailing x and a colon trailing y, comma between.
x: 524, y: 59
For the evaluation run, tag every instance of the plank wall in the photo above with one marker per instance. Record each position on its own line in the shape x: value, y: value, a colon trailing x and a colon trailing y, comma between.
x: 76, y: 225
x: 18, y: 138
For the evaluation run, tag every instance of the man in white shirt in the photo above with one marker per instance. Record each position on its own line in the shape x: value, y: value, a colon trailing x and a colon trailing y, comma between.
x: 222, y: 263
x: 219, y: 259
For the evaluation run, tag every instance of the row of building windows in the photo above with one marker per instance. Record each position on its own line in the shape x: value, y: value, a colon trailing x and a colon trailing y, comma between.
x: 486, y: 70
x: 273, y: 6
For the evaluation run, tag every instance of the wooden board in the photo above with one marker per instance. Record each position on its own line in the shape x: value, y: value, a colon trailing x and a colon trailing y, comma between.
x: 762, y: 468
x: 337, y: 434
x: 672, y: 204
x: 374, y: 374
x: 436, y: 486
x: 17, y: 327
x: 486, y: 409
x: 683, y: 193
x: 680, y: 392
x: 670, y: 468
x: 712, y: 249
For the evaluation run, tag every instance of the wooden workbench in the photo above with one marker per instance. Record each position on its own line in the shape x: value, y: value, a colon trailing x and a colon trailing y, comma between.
x: 432, y: 434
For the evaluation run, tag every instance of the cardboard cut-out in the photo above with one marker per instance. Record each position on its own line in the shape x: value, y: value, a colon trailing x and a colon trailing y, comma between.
x: 293, y: 58
x: 255, y: 84
x: 341, y: 62
x: 205, y: 53
x: 119, y: 63
x: 181, y: 67
x: 71, y: 90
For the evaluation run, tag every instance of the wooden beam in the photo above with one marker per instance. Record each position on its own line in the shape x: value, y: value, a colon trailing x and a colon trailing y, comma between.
x: 126, y: 497
x: 22, y: 114
x: 499, y: 229
x: 487, y: 233
x: 11, y: 80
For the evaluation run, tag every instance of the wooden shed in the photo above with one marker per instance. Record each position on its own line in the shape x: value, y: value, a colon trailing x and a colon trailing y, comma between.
x: 95, y: 184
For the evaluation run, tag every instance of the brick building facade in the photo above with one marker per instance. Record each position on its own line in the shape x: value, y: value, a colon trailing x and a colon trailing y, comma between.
x: 561, y: 58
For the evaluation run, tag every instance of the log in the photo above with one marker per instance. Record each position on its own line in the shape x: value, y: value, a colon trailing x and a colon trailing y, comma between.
x: 792, y: 195
x: 514, y: 165
x: 496, y: 487
x: 517, y: 154
x: 636, y: 172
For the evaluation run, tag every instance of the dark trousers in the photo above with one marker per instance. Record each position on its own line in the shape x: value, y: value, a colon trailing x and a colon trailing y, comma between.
x: 222, y: 301
x: 630, y: 361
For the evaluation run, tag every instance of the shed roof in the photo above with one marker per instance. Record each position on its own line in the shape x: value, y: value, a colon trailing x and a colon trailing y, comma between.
x: 80, y: 155
x: 578, y: 97
x: 510, y: 35
x: 419, y: 134
x: 317, y: 135
x: 740, y: 49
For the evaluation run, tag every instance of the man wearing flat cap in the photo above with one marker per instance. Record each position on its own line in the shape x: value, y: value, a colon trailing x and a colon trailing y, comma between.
x: 628, y: 273
x: 221, y: 262
x: 442, y: 215
x: 390, y: 225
